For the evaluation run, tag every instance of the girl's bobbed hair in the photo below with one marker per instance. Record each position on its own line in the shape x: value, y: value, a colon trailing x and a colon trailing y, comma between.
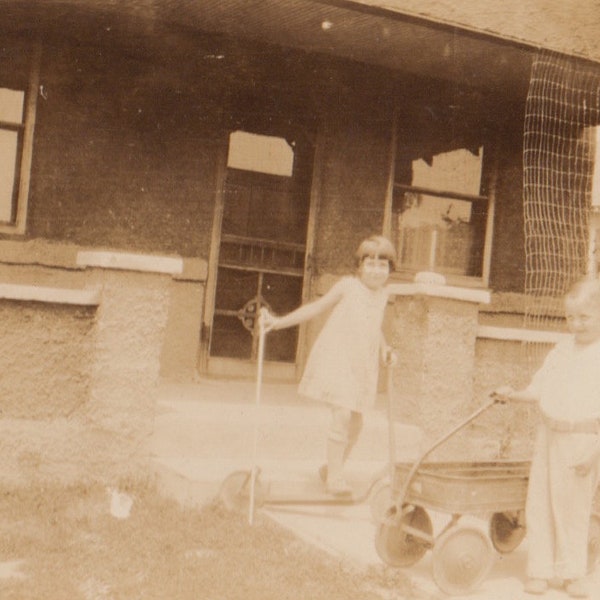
x: 377, y: 246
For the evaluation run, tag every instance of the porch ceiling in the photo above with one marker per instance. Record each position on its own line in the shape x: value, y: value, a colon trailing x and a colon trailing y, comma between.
x: 341, y: 28
x: 384, y: 39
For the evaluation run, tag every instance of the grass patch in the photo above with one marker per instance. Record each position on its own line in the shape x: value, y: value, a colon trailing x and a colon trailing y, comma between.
x: 73, y: 548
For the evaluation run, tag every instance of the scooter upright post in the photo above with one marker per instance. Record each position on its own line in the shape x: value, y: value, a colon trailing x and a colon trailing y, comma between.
x: 257, y: 399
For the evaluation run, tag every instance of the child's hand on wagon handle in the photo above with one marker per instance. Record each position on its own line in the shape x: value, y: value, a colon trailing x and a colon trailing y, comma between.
x: 506, y: 393
x: 389, y: 356
x: 503, y: 394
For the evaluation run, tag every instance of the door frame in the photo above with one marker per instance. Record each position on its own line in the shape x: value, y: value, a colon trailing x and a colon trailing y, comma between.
x: 222, y: 366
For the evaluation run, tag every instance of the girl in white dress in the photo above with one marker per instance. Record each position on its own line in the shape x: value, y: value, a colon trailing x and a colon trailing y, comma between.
x: 343, y: 365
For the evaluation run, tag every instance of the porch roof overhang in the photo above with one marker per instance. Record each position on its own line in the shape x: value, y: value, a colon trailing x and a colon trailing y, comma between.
x: 423, y: 38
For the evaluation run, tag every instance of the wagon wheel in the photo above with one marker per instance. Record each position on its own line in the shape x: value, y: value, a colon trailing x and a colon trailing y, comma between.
x: 462, y: 557
x: 396, y: 545
x: 234, y: 492
x: 507, y: 530
x: 380, y: 500
x: 594, y: 542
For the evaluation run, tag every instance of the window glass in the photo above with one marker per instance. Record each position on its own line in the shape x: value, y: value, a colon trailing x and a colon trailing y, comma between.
x: 8, y: 152
x: 260, y: 153
x: 440, y: 219
x: 456, y: 171
x: 11, y: 106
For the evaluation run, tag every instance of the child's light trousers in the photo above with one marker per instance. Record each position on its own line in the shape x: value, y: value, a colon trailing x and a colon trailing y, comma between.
x: 559, y: 504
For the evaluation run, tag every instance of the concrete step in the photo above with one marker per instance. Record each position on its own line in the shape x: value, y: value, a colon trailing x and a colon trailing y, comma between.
x: 206, y: 431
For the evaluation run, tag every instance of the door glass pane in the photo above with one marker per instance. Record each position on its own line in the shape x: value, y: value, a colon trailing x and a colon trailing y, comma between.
x: 261, y: 153
x: 8, y: 152
x: 11, y: 106
x: 283, y: 294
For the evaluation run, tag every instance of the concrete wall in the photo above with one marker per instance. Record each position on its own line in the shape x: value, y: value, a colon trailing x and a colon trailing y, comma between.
x: 81, y: 361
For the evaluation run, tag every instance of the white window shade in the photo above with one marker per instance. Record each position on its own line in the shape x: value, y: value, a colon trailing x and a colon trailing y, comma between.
x: 260, y: 153
x: 457, y: 171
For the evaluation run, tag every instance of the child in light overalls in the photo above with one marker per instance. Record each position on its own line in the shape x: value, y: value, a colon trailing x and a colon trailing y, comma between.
x: 343, y: 365
x: 565, y: 466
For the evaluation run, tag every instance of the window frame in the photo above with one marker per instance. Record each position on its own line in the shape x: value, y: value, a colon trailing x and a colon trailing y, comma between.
x: 388, y: 214
x: 24, y: 149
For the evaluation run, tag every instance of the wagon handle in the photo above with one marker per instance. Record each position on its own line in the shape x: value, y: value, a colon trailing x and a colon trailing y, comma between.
x: 494, y: 399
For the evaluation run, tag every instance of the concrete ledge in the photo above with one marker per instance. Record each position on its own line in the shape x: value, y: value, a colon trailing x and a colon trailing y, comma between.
x: 34, y: 293
x: 440, y: 291
x: 130, y: 262
x: 519, y: 335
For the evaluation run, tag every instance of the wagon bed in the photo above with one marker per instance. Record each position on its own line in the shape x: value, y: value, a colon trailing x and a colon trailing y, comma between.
x: 465, y: 487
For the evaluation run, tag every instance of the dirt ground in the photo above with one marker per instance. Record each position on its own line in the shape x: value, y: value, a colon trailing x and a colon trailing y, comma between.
x: 72, y: 547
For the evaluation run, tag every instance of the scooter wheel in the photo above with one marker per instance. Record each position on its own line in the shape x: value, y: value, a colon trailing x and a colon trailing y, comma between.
x: 398, y: 547
x: 234, y: 492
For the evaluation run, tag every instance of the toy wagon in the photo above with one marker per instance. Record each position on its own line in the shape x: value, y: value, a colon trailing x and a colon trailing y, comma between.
x: 462, y: 553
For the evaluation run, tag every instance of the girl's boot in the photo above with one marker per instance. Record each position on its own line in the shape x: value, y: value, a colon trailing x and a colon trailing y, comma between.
x: 336, y: 483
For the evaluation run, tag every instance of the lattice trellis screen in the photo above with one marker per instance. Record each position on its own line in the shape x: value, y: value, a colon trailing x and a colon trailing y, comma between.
x: 559, y: 154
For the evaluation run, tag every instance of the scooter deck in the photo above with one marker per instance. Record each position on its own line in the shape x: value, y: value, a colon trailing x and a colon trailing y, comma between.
x: 317, y: 498
x: 277, y: 493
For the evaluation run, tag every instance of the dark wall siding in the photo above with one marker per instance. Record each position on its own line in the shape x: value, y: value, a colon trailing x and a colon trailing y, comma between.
x: 355, y: 169
x: 125, y: 148
x: 121, y: 158
x: 508, y: 251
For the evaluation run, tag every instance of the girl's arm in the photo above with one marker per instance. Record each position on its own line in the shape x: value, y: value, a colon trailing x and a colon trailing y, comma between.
x: 306, y: 312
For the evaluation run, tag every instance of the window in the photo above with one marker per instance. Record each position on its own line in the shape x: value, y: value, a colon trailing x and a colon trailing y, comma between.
x: 17, y: 115
x: 440, y: 217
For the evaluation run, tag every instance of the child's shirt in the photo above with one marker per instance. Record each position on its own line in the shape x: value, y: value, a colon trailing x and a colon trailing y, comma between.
x: 568, y: 383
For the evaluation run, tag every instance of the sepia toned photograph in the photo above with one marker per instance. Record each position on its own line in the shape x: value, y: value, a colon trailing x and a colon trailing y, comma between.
x: 300, y: 299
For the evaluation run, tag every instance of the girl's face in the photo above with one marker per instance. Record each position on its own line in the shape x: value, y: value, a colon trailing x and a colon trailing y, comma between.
x: 374, y: 272
x: 583, y: 319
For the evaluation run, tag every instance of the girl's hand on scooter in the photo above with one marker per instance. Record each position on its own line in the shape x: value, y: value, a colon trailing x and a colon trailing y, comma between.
x: 267, y: 321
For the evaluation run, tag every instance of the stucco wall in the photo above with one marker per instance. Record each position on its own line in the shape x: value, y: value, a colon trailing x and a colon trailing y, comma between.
x: 44, y: 359
x: 435, y: 340
x: 504, y: 362
x: 79, y: 384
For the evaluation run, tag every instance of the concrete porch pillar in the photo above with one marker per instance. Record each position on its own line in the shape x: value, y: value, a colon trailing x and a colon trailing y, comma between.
x: 129, y: 332
x: 434, y: 329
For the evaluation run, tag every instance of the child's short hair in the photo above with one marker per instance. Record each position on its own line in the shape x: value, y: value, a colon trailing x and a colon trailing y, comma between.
x: 377, y: 246
x: 585, y: 291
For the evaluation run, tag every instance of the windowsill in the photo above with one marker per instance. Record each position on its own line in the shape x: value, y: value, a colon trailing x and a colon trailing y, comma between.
x: 463, y: 281
x: 35, y: 293
x: 408, y: 287
x: 513, y: 334
x: 450, y: 292
x: 126, y: 261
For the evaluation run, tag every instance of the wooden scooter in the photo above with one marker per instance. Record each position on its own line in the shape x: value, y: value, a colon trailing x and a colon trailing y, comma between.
x: 245, y: 490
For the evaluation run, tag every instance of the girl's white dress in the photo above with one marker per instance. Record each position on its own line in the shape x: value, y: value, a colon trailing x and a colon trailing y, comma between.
x: 343, y: 365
